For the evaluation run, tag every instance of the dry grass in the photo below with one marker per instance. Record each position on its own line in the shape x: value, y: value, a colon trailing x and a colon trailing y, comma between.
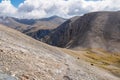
x: 102, y: 59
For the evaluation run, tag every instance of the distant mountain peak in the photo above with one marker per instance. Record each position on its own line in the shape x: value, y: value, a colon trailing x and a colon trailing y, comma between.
x: 52, y: 17
x: 55, y: 16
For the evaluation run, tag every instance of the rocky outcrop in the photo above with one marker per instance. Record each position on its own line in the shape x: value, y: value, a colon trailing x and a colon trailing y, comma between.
x: 99, y: 30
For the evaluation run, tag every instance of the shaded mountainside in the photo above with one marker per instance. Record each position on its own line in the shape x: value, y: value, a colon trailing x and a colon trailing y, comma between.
x: 23, y: 58
x: 100, y: 30
x: 44, y: 26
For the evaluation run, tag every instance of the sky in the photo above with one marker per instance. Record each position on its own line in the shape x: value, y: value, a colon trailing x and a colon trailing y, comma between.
x: 15, y: 2
x: 35, y: 9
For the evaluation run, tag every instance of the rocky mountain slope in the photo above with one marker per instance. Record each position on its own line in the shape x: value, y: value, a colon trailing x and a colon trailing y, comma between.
x: 44, y: 26
x: 23, y: 58
x: 36, y: 28
x: 99, y: 30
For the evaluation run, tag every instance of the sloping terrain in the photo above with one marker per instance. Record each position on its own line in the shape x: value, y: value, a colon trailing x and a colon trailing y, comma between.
x: 99, y: 58
x: 23, y: 58
x: 12, y: 23
x: 44, y: 26
x: 36, y: 28
x: 31, y: 25
x: 57, y: 34
x: 100, y: 30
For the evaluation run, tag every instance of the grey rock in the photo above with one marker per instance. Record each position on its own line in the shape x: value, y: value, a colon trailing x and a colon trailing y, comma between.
x: 6, y: 77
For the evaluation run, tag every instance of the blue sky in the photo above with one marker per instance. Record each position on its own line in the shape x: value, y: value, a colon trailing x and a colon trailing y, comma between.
x: 16, y: 2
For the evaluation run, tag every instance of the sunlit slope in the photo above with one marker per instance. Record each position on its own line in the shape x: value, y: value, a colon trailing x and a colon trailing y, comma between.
x: 99, y: 58
x: 23, y: 58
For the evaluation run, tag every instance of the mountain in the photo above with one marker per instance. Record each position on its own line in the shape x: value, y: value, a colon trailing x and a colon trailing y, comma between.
x: 44, y: 26
x: 96, y: 30
x: 36, y: 28
x: 23, y: 58
x: 12, y: 23
x: 31, y: 25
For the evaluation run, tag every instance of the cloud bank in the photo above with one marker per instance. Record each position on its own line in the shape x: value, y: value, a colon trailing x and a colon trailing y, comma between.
x: 33, y: 9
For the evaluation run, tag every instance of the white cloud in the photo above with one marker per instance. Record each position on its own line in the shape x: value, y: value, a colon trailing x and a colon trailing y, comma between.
x: 63, y: 8
x: 7, y: 9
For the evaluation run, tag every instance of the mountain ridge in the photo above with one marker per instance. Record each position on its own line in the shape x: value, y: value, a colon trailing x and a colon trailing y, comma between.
x: 93, y: 30
x: 25, y: 24
x: 36, y: 28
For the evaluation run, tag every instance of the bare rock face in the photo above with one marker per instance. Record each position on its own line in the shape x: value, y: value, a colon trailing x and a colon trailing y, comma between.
x: 99, y: 30
x: 23, y: 58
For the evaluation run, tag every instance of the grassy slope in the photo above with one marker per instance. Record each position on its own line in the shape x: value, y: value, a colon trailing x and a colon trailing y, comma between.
x: 99, y: 58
